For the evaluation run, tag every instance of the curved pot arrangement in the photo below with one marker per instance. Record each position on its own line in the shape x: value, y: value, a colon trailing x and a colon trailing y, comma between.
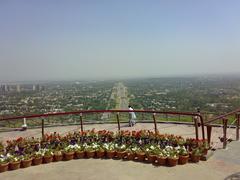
x: 142, y: 146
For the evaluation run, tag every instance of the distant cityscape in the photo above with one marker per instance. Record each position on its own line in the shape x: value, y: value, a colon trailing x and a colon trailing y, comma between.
x: 20, y: 87
x: 210, y: 94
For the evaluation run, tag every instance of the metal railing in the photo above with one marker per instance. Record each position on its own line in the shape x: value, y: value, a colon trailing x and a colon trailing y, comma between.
x: 195, y: 117
x: 224, y: 118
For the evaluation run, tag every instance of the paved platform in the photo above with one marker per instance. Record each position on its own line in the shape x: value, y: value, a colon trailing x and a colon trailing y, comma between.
x: 221, y: 165
x: 215, y: 168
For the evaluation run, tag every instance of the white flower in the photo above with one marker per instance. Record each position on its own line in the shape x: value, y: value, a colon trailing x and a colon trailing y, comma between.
x: 134, y: 149
x: 152, y: 147
x: 95, y: 146
x: 85, y: 145
x: 9, y: 155
x: 76, y: 146
x: 178, y: 147
x: 123, y: 146
x: 168, y: 148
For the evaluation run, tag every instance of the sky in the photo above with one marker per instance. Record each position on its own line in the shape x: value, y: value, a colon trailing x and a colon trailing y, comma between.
x: 92, y: 39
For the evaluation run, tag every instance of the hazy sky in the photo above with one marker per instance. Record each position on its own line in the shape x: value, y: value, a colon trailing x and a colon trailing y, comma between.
x: 56, y: 39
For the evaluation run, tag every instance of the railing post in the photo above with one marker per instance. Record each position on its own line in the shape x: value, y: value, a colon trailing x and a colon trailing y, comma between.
x: 81, y: 122
x: 118, y: 121
x: 42, y: 127
x: 196, y: 126
x: 155, y: 124
x: 202, y: 125
x: 209, y: 133
x: 225, y: 132
x: 237, y: 126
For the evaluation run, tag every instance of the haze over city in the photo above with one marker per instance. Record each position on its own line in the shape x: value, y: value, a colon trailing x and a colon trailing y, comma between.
x: 60, y: 40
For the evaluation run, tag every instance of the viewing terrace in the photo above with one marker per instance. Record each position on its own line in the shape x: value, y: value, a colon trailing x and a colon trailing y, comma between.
x: 223, y: 159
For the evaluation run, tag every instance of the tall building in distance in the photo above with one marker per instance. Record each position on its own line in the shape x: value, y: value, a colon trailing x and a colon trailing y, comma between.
x: 36, y: 87
x: 18, y: 88
x: 4, y: 88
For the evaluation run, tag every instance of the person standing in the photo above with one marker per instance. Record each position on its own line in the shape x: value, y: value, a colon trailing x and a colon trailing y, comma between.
x: 132, y: 118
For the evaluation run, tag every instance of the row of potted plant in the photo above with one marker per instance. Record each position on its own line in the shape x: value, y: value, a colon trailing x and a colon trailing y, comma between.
x: 141, y: 146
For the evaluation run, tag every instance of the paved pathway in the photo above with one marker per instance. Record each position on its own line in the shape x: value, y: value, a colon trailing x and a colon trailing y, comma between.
x: 221, y: 165
x: 216, y: 168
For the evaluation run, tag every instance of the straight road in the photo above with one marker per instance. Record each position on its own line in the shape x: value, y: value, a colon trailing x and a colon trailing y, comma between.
x: 122, y: 96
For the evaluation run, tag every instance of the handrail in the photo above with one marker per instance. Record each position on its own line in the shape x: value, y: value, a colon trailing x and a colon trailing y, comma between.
x: 224, y: 123
x: 221, y: 116
x: 98, y: 111
x: 81, y: 112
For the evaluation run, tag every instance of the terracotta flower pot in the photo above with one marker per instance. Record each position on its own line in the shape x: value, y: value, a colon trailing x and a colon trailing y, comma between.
x: 151, y: 158
x: 100, y: 154
x: 58, y: 157
x: 172, y: 161
x: 161, y: 160
x: 111, y: 154
x: 140, y: 156
x: 205, y: 151
x: 47, y: 159
x: 37, y: 161
x: 90, y: 154
x: 68, y: 156
x: 121, y: 154
x: 14, y: 165
x: 195, y: 158
x: 183, y: 159
x: 79, y: 154
x: 4, y: 167
x: 130, y: 156
x: 26, y: 163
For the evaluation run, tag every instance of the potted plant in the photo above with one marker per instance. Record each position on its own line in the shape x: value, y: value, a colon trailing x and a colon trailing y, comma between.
x: 14, y: 162
x: 196, y: 155
x: 48, y: 155
x: 173, y: 157
x: 131, y: 152
x: 162, y: 157
x: 26, y: 161
x: 3, y: 163
x: 121, y: 151
x: 205, y: 147
x: 110, y: 150
x: 69, y: 152
x: 58, y: 155
x: 37, y: 157
x: 90, y: 150
x: 100, y: 152
x: 183, y: 155
x: 151, y: 152
x: 79, y: 152
x: 140, y: 153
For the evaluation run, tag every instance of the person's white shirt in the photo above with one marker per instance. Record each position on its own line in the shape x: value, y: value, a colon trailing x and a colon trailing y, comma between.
x: 133, y: 116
